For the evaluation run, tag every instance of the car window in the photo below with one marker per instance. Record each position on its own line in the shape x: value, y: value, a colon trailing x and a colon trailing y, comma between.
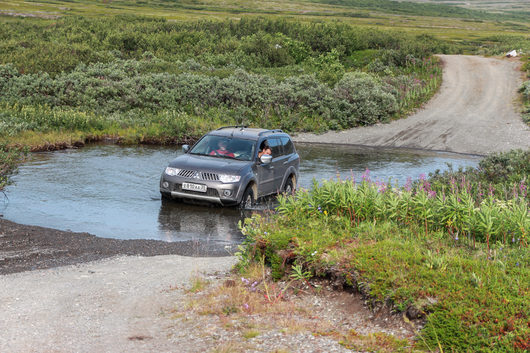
x: 224, y: 147
x: 276, y: 146
x: 287, y: 144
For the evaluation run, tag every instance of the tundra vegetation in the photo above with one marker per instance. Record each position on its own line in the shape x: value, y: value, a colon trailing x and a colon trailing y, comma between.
x: 451, y: 248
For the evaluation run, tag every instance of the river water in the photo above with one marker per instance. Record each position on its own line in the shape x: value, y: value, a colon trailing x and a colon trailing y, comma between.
x: 112, y: 191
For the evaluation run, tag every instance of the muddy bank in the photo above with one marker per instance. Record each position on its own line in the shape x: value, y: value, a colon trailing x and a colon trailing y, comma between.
x: 27, y: 248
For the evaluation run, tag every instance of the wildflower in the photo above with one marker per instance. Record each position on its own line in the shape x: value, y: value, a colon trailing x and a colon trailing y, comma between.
x: 245, y: 281
x: 366, y: 175
x: 325, y: 213
x: 314, y: 253
x: 456, y: 237
x: 245, y: 306
x: 408, y: 184
x: 522, y: 188
x: 517, y: 264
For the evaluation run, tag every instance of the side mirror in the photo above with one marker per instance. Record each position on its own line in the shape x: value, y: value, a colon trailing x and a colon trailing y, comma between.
x: 185, y: 148
x: 266, y: 159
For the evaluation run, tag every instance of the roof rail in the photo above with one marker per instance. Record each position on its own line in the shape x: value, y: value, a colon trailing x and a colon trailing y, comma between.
x: 233, y: 127
x: 269, y: 132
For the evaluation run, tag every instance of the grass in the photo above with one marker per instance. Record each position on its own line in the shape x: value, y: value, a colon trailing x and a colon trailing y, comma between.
x: 471, y: 292
x: 248, y: 305
x: 472, y: 301
x: 456, y: 29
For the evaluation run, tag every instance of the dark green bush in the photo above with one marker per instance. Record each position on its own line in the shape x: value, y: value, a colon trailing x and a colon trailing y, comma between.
x: 122, y: 86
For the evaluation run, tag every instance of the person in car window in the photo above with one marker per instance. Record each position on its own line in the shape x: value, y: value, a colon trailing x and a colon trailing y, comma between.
x: 222, y: 151
x: 264, y: 149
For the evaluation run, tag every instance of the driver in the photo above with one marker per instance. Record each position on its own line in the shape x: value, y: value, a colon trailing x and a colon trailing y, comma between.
x: 222, y: 151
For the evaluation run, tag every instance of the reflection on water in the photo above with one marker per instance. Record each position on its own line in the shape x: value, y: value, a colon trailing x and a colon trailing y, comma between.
x: 112, y: 191
x: 177, y: 221
x: 326, y: 161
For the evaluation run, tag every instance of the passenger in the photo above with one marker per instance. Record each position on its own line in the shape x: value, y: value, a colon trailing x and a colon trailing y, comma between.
x: 222, y: 151
x: 264, y: 149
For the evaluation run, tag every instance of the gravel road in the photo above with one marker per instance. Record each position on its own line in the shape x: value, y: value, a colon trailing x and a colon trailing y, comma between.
x: 474, y: 112
x: 113, y: 305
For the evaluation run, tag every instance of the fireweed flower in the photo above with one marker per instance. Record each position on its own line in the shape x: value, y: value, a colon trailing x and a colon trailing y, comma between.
x: 408, y: 184
x: 366, y: 175
x: 522, y: 188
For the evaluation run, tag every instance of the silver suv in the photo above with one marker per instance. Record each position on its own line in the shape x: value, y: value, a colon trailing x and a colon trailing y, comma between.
x: 233, y: 165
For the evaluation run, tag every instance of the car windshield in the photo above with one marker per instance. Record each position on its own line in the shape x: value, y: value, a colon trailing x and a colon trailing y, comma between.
x: 225, y: 147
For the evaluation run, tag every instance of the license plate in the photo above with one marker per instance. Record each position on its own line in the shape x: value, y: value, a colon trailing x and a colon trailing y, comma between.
x: 193, y: 187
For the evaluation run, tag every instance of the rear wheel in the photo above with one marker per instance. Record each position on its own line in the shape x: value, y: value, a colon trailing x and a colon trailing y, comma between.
x: 248, y: 199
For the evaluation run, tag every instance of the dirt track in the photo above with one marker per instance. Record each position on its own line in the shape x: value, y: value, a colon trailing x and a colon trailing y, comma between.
x: 474, y: 112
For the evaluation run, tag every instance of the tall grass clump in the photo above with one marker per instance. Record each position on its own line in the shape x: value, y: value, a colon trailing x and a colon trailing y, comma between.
x: 9, y: 160
x: 450, y: 253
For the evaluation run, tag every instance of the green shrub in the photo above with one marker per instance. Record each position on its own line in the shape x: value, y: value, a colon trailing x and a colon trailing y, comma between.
x: 453, y: 257
x: 9, y: 160
x: 362, y: 100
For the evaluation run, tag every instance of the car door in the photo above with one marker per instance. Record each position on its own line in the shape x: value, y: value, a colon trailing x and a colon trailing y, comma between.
x: 265, y: 174
x: 279, y: 164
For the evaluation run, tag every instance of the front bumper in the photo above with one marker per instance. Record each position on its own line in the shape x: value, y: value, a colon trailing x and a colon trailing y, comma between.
x: 216, y: 191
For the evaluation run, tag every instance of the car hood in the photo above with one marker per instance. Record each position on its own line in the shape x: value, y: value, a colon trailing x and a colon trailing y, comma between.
x: 209, y: 164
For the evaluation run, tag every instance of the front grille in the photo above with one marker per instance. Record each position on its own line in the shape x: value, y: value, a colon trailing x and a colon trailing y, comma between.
x: 186, y: 173
x: 209, y: 176
x: 192, y: 174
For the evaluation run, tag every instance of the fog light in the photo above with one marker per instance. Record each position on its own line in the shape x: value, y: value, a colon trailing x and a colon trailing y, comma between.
x: 165, y: 185
x: 227, y: 192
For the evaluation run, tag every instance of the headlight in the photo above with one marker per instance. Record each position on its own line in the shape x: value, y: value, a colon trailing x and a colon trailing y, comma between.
x: 172, y: 171
x: 227, y: 178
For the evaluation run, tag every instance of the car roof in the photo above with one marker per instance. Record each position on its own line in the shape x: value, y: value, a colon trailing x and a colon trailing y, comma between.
x: 245, y: 132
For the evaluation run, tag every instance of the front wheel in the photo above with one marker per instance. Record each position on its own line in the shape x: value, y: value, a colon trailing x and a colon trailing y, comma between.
x: 248, y: 199
x: 288, y: 189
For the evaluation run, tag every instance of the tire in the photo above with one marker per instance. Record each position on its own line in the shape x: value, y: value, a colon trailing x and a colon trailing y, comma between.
x: 248, y: 200
x: 289, y: 188
x: 166, y: 196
